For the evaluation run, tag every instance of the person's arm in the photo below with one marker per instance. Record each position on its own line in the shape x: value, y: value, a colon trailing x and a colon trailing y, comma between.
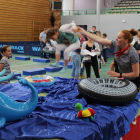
x: 41, y: 39
x: 132, y: 43
x: 103, y: 61
x: 93, y: 37
x: 1, y: 67
x: 112, y: 66
x: 97, y: 49
x: 135, y: 73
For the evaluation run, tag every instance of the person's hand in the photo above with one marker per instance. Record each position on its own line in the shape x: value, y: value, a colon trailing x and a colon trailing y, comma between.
x: 104, y: 63
x: 79, y: 30
x: 138, y: 51
x: 44, y: 41
x: 113, y: 74
x: 95, y: 50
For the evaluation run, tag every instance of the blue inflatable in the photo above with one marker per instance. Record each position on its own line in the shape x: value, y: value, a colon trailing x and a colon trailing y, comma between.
x: 8, y: 77
x: 11, y: 110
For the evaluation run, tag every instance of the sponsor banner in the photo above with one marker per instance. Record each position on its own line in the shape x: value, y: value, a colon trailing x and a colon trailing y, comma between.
x: 34, y: 50
x: 16, y: 48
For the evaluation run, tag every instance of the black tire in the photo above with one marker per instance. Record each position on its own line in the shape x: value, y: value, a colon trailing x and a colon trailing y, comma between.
x: 108, y: 91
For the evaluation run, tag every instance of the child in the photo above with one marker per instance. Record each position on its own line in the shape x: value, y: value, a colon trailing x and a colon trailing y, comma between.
x: 66, y: 40
x: 4, y: 62
x: 0, y: 56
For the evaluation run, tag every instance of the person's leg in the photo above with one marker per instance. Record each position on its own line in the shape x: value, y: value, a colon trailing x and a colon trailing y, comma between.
x: 59, y: 48
x: 42, y: 46
x: 70, y: 48
x: 95, y: 66
x: 87, y: 66
x: 73, y: 55
x: 99, y: 61
x: 82, y: 69
x: 105, y: 57
x: 77, y: 67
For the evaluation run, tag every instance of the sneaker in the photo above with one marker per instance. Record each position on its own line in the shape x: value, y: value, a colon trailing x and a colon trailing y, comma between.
x: 79, y: 77
x: 83, y: 76
x: 56, y: 64
x: 63, y: 70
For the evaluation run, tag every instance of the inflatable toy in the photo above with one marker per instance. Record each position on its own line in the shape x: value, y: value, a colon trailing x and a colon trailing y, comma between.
x: 4, y: 78
x: 40, y: 80
x: 2, y: 72
x: 85, y: 113
x: 11, y: 110
x: 108, y: 91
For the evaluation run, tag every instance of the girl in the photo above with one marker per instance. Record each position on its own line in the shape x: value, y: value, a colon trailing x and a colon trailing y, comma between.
x: 4, y: 62
x: 126, y: 57
x: 90, y: 45
x: 76, y: 62
x: 0, y: 56
x: 66, y: 40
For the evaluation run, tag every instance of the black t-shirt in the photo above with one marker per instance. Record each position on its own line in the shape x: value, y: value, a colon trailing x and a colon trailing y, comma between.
x: 90, y: 48
x: 116, y: 66
x: 137, y: 47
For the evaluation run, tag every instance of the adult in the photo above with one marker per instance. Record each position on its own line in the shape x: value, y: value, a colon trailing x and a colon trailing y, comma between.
x: 137, y: 44
x: 42, y: 38
x: 126, y: 56
x: 100, y: 57
x: 94, y: 30
x: 104, y: 47
x: 133, y: 42
x: 91, y: 46
x: 82, y: 39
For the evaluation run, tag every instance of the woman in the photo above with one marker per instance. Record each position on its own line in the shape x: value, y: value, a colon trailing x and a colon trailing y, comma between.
x: 100, y: 57
x: 137, y: 44
x: 126, y: 56
x: 104, y: 47
x: 91, y: 46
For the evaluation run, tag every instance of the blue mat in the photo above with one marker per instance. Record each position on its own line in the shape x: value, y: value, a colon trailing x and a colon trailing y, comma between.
x: 15, y: 75
x: 41, y: 60
x: 54, y: 116
x: 35, y: 71
x: 69, y: 64
x: 53, y: 69
x: 22, y: 58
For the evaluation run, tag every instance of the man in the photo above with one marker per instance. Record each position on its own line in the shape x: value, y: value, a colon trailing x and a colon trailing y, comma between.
x: 42, y: 39
x: 94, y: 30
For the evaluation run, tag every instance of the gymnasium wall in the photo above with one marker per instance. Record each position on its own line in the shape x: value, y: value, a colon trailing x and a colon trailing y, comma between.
x: 23, y: 20
x: 110, y: 24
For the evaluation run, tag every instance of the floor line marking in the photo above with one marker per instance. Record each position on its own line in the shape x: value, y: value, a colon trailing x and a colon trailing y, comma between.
x: 24, y: 65
x: 16, y: 70
x: 102, y: 70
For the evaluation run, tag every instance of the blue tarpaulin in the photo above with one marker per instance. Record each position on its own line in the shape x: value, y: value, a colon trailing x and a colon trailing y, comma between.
x: 54, y: 116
